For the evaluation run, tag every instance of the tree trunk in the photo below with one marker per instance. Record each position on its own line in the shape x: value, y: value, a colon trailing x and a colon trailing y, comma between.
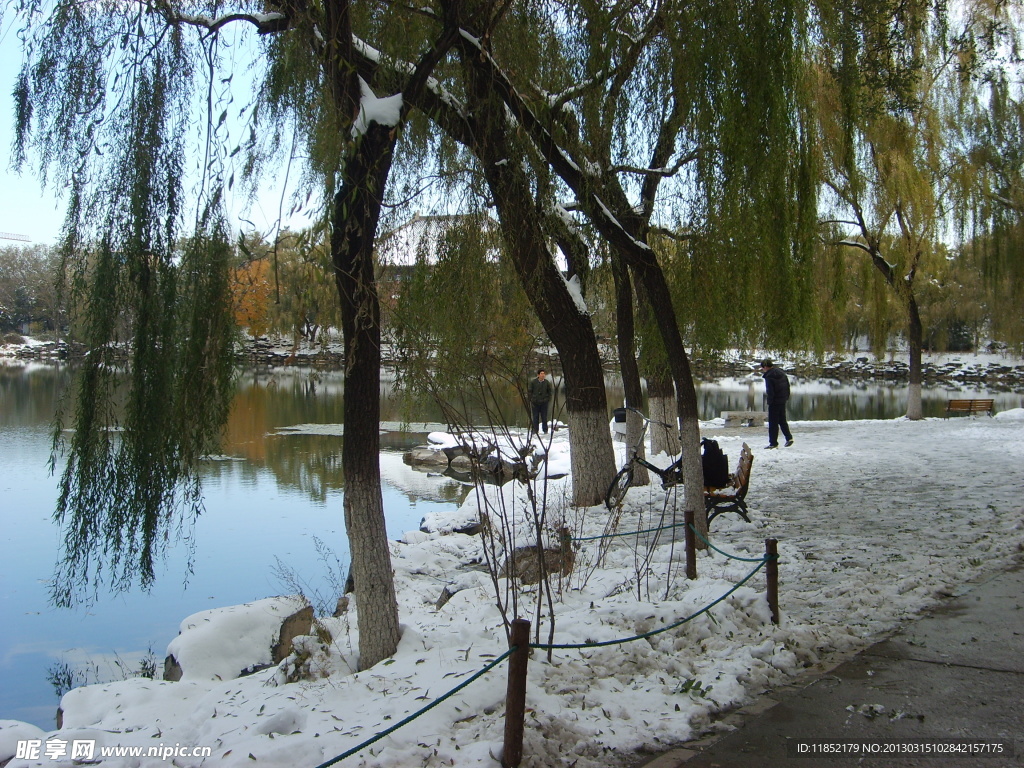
x: 355, y: 216
x: 686, y: 392
x: 915, y: 339
x: 356, y: 213
x: 661, y: 396
x: 568, y: 326
x: 630, y: 371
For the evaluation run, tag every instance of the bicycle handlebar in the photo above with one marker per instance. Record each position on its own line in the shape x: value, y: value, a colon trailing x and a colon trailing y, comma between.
x: 648, y: 421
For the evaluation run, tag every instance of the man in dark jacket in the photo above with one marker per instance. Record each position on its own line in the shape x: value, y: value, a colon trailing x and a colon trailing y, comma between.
x: 540, y: 393
x: 776, y: 393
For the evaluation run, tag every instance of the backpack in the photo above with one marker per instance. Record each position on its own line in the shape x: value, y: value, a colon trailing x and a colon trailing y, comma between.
x: 715, y: 463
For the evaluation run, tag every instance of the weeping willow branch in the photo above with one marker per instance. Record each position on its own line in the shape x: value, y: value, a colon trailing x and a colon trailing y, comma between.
x: 131, y: 481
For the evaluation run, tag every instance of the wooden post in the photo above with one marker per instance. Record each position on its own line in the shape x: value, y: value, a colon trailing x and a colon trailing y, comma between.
x: 691, y: 545
x: 771, y: 569
x: 515, y: 698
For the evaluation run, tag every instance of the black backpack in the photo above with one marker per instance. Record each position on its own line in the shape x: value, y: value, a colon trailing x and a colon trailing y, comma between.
x: 716, y: 464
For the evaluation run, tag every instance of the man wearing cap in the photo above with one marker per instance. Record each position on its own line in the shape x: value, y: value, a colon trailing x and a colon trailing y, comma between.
x: 776, y: 393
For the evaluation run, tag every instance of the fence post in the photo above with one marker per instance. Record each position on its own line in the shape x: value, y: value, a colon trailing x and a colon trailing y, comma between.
x: 515, y: 698
x: 771, y: 570
x: 691, y: 545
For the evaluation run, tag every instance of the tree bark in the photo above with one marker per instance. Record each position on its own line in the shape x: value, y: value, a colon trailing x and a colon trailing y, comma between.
x: 628, y: 368
x: 355, y: 216
x: 606, y: 204
x: 915, y: 340
x: 356, y: 213
x: 662, y: 398
x: 568, y: 326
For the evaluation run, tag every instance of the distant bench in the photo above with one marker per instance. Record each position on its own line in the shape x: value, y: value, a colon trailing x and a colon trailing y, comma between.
x: 744, y: 418
x: 970, y: 406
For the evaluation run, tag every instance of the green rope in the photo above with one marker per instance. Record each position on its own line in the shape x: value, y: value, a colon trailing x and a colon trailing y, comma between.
x: 705, y: 609
x: 631, y: 533
x: 731, y: 557
x: 413, y: 716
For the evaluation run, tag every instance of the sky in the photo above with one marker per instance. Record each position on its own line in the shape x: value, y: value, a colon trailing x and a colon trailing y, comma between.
x: 873, y: 524
x: 25, y: 208
x: 28, y: 209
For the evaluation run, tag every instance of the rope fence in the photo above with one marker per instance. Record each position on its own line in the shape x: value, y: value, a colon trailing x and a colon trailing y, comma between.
x: 519, y: 648
x: 721, y: 552
x: 388, y: 731
x: 653, y: 632
x: 629, y: 533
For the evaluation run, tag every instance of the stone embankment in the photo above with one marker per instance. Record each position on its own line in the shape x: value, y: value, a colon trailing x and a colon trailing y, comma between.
x: 991, y: 374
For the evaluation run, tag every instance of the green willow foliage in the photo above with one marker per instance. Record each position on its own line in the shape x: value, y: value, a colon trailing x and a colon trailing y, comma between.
x: 137, y: 436
x: 105, y: 103
x: 460, y: 318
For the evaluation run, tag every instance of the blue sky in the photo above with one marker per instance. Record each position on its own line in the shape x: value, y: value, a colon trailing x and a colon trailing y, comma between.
x: 25, y: 209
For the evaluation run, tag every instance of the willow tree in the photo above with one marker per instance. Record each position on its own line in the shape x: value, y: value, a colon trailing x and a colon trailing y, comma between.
x: 634, y: 94
x: 469, y: 113
x: 893, y: 95
x: 107, y: 99
x: 994, y: 141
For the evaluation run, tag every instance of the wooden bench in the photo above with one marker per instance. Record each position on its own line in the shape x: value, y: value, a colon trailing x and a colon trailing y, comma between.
x: 744, y: 418
x: 731, y: 497
x: 971, y: 406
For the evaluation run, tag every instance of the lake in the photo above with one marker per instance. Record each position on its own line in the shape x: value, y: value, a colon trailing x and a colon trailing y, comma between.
x: 269, y: 500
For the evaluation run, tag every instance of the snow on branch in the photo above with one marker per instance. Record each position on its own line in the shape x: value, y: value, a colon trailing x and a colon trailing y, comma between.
x: 383, y: 111
x: 379, y: 59
x: 560, y: 160
x: 855, y: 244
x: 618, y: 225
x: 265, y: 23
x: 667, y: 171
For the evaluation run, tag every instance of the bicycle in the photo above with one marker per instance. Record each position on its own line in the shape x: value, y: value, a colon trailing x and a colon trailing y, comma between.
x: 671, y: 476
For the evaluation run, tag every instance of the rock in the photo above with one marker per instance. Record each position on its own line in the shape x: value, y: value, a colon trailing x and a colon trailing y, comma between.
x: 299, y: 623
x: 525, y: 561
x: 446, y: 595
x: 461, y: 463
x: 426, y: 457
x: 225, y: 643
x: 341, y: 608
x: 172, y: 669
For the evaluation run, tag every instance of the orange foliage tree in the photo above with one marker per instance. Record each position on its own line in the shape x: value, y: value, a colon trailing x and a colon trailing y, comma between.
x: 252, y: 291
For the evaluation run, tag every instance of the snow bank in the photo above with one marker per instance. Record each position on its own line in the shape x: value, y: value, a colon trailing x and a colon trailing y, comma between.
x: 219, y: 643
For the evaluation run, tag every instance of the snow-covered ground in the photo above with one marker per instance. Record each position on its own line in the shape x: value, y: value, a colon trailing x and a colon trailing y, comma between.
x: 876, y: 520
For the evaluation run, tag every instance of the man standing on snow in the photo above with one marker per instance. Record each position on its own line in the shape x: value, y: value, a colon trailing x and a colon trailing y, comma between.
x: 540, y: 393
x: 776, y: 393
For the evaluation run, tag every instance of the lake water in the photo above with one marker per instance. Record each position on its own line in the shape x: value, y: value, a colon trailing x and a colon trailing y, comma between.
x: 268, y: 502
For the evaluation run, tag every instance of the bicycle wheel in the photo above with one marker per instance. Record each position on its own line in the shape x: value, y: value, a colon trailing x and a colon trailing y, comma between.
x: 617, y: 490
